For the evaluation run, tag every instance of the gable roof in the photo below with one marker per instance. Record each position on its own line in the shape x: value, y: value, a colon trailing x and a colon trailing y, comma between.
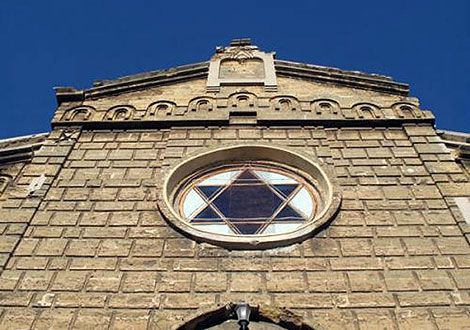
x: 328, y: 75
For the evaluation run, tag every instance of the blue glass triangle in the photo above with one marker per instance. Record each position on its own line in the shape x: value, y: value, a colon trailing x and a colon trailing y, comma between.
x: 288, y: 213
x: 247, y: 177
x: 248, y: 228
x: 209, y: 191
x: 285, y: 189
x: 207, y: 215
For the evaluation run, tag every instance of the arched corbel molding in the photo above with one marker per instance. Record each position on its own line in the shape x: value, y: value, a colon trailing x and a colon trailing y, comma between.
x: 325, y: 106
x: 120, y: 112
x: 161, y: 108
x: 406, y: 110
x: 285, y: 103
x: 367, y: 111
x: 243, y: 100
x: 201, y: 104
x: 80, y: 113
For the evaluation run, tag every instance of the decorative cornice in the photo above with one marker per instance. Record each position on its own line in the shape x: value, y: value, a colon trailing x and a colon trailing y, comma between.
x: 20, y: 149
x: 340, y: 77
x: 458, y: 142
x: 177, y: 74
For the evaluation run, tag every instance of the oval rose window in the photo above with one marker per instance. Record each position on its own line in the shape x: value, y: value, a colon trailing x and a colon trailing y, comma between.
x: 248, y: 199
x: 252, y: 196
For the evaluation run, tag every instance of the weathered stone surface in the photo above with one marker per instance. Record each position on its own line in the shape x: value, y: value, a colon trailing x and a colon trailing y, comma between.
x: 90, y: 249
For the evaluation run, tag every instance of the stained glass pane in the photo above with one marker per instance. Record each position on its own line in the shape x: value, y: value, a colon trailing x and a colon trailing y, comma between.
x: 219, y: 179
x: 275, y: 178
x: 192, y: 202
x: 286, y: 189
x: 303, y: 202
x: 207, y: 215
x: 248, y: 228
x: 288, y: 213
x: 248, y: 200
x: 216, y: 229
x: 209, y: 191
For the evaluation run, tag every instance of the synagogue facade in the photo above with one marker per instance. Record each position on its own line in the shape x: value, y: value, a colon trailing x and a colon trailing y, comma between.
x: 310, y: 197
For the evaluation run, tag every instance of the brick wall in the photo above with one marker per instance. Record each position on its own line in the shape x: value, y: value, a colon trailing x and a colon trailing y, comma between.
x: 93, y: 252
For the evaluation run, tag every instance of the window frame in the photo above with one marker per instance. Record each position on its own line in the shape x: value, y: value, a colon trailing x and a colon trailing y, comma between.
x: 315, y: 172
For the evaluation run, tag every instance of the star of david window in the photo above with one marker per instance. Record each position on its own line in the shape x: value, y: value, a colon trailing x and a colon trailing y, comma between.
x: 248, y: 199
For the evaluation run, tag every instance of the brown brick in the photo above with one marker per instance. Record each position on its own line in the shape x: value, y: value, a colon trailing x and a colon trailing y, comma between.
x: 210, y: 282
x: 358, y: 300
x: 147, y: 248
x: 174, y: 282
x: 51, y: 247
x: 115, y: 248
x: 450, y: 318
x: 326, y: 282
x: 149, y: 264
x: 356, y: 247
x: 429, y: 298
x: 285, y: 282
x: 185, y: 301
x: 207, y: 265
x: 93, y: 263
x: 179, y: 248
x: 139, y: 282
x: 131, y: 319
x: 87, y: 300
x: 69, y: 281
x: 450, y: 189
x: 105, y: 281
x: 9, y: 279
x: 356, y: 263
x: 434, y: 280
x: 35, y: 281
x: 135, y: 300
x: 246, y: 282
x: 365, y: 281
x: 32, y: 263
x: 420, y: 246
x: 303, y: 300
x: 92, y: 319
x: 82, y: 247
x: 55, y: 319
x: 453, y: 245
x: 26, y: 246
x: 400, y: 281
x: 375, y: 320
x: 387, y: 247
x: 18, y: 319
x: 418, y: 262
x: 23, y: 215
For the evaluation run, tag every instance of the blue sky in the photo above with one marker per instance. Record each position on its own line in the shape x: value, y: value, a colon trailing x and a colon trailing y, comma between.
x: 71, y: 43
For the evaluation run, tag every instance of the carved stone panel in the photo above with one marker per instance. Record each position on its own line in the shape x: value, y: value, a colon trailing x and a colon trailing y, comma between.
x: 241, y: 65
x: 250, y: 68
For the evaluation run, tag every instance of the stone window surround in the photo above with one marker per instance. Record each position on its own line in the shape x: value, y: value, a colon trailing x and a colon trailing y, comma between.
x: 174, y: 177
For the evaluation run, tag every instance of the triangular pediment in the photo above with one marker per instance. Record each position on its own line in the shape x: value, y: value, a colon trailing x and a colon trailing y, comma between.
x: 242, y: 65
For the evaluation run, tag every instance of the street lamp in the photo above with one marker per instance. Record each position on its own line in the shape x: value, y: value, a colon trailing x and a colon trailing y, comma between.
x: 243, y: 311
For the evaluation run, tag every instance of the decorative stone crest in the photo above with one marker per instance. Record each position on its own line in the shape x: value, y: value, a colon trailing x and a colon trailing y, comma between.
x: 240, y: 64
